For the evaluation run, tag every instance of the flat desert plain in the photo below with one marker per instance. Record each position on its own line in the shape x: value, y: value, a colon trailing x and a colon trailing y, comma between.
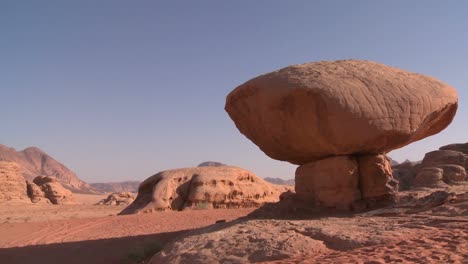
x: 87, y: 233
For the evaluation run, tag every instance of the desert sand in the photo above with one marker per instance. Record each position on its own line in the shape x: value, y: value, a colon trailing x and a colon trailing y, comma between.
x: 86, y: 233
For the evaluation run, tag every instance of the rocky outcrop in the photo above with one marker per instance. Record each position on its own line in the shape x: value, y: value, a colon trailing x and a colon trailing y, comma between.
x: 35, y: 193
x: 211, y: 164
x: 430, y: 177
x: 348, y: 113
x: 53, y: 190
x: 460, y: 147
x: 12, y: 184
x: 405, y: 173
x: 112, y: 187
x: 119, y: 198
x: 203, y: 188
x: 34, y: 162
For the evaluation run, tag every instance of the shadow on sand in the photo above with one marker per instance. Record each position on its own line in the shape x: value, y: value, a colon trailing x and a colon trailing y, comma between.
x: 112, y: 250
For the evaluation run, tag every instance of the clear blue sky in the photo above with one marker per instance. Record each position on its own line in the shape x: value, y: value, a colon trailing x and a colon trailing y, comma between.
x: 120, y: 90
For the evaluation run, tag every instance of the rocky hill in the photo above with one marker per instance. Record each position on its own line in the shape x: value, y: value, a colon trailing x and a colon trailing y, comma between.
x: 112, y: 187
x: 34, y: 162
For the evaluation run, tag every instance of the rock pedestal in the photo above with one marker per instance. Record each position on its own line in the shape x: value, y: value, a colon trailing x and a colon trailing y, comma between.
x: 332, y: 182
x: 341, y: 181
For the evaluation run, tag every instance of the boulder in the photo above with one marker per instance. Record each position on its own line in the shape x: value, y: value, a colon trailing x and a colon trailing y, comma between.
x: 312, y: 111
x: 12, y: 184
x: 53, y: 190
x: 118, y: 198
x: 203, y: 188
x: 429, y: 177
x: 460, y: 147
x: 331, y: 182
x: 440, y: 157
x: 453, y: 173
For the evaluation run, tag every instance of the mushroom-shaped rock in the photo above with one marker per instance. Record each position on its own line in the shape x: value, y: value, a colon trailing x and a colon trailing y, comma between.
x: 332, y: 116
x: 311, y: 111
x: 203, y: 188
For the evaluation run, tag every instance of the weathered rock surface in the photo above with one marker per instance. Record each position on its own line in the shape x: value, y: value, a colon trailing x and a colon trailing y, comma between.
x: 460, y: 147
x: 331, y: 182
x: 35, y: 193
x: 34, y: 162
x: 376, y: 181
x: 405, y: 173
x: 12, y: 184
x: 453, y: 173
x: 211, y: 164
x: 311, y: 111
x: 119, y: 198
x: 112, y: 187
x: 440, y: 157
x: 423, y: 218
x: 430, y: 177
x: 53, y: 190
x: 203, y: 188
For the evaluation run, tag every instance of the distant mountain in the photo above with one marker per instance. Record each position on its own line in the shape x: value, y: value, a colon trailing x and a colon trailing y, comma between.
x: 279, y: 181
x: 126, y: 186
x: 34, y: 162
x: 211, y: 164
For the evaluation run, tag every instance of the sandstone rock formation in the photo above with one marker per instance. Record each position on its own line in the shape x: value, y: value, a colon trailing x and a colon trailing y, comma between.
x: 349, y: 112
x: 118, y: 198
x: 211, y: 164
x: 329, y: 182
x: 53, y: 190
x: 405, y: 173
x: 430, y: 177
x: 112, y: 187
x: 34, y: 162
x: 460, y: 147
x: 35, y: 193
x: 203, y: 188
x: 12, y: 184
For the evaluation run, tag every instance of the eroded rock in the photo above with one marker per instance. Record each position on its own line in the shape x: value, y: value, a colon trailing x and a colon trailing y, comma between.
x: 203, y: 188
x: 429, y: 177
x: 118, y: 198
x: 331, y: 182
x: 310, y: 113
x: 53, y: 190
x: 12, y: 184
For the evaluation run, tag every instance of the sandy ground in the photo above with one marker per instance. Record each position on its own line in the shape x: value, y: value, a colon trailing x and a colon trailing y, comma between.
x: 86, y: 233
x: 83, y: 208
